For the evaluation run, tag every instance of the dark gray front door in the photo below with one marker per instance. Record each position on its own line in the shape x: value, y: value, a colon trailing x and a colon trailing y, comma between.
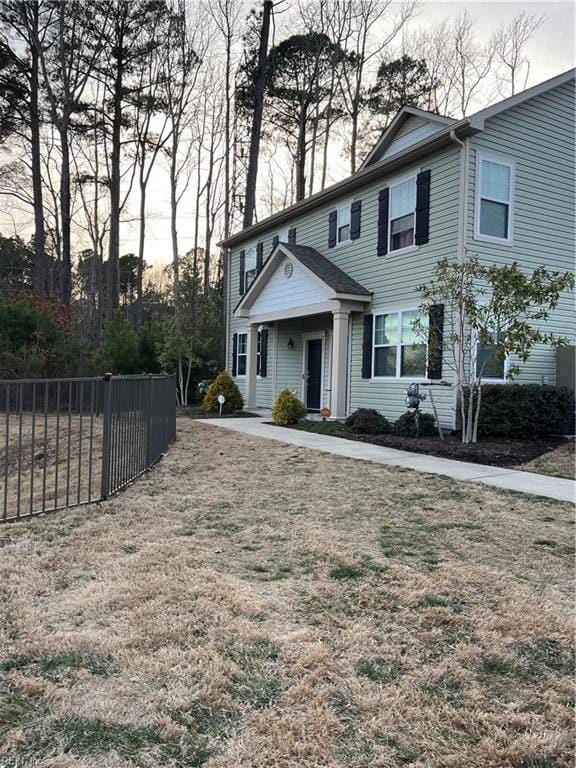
x: 313, y: 374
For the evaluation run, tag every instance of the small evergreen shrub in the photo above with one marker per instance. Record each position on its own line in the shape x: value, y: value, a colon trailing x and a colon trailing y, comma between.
x: 222, y: 385
x: 367, y: 421
x: 525, y: 410
x: 406, y: 425
x: 288, y: 410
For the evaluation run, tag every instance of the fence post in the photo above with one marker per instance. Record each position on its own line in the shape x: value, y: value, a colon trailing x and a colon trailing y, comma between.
x: 106, y: 434
x: 149, y: 421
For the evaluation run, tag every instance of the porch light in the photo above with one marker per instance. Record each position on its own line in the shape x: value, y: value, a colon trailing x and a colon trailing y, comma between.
x: 290, y: 344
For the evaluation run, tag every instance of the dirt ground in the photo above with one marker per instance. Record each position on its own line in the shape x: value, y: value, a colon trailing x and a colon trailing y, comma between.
x: 248, y: 603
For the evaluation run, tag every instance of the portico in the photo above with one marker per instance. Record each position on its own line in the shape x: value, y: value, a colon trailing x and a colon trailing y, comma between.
x: 297, y: 282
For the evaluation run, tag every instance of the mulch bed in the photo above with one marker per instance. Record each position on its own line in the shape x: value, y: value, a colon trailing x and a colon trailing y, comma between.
x: 500, y: 452
x: 237, y: 415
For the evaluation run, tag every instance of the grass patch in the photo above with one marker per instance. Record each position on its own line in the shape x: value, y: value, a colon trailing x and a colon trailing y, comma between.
x: 91, y: 736
x: 55, y: 667
x: 379, y: 670
x: 321, y: 427
x: 346, y: 572
x: 437, y: 601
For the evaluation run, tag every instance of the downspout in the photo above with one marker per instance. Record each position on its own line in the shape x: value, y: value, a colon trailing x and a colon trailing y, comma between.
x: 227, y: 259
x: 462, y: 236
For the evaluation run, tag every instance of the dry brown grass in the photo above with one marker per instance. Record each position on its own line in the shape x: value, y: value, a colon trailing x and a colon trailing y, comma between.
x: 249, y: 603
x: 558, y: 463
x: 39, y: 471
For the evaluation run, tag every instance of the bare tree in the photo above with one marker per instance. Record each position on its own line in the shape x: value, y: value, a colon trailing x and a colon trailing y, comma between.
x: 509, y: 44
x: 472, y: 62
x: 257, y: 112
x: 21, y: 28
x: 367, y: 32
x: 186, y: 46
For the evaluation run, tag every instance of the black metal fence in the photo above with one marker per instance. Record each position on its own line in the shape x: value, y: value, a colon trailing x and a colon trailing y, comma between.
x: 66, y: 442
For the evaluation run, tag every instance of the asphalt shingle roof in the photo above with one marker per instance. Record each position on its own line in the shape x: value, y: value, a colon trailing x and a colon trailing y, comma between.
x: 325, y: 269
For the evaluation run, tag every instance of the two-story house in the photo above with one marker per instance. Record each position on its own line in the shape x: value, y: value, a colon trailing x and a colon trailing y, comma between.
x: 321, y: 297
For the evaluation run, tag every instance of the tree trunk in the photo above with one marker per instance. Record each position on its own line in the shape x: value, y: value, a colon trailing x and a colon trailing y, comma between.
x: 39, y: 281
x: 256, y: 130
x: 354, y: 139
x: 141, y: 240
x: 173, y: 228
x: 301, y: 158
x: 66, y: 286
x: 112, y: 272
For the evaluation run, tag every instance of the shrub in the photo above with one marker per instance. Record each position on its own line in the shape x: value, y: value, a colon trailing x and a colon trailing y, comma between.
x: 288, y: 410
x: 524, y: 410
x: 367, y: 421
x: 406, y: 425
x: 222, y: 385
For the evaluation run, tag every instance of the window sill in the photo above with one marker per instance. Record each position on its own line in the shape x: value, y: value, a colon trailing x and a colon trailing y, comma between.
x: 494, y: 240
x: 401, y: 251
x: 415, y: 379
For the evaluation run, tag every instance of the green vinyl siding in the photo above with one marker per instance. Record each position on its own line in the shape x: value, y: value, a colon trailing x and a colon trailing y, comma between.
x: 538, y: 135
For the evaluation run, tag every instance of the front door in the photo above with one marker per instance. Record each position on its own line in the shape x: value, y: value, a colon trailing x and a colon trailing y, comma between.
x: 313, y: 374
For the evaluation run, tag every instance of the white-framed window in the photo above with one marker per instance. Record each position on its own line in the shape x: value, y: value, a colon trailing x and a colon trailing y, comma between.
x: 488, y: 364
x: 343, y: 224
x: 259, y: 354
x: 241, y: 354
x: 399, y: 351
x: 402, y: 215
x: 494, y: 198
x: 250, y: 270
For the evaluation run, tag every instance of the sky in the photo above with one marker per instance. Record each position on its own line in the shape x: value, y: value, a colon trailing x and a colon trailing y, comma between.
x: 551, y: 51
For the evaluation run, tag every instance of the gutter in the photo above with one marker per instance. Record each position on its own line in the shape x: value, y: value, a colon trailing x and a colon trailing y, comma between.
x: 360, y: 178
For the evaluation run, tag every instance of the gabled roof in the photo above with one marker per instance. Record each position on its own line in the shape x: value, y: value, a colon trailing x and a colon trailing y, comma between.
x: 478, y: 118
x: 371, y: 170
x: 320, y: 269
x: 405, y: 115
x: 326, y: 270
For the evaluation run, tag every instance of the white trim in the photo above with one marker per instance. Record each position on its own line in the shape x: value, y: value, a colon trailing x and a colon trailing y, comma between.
x: 391, y: 184
x: 398, y: 377
x: 345, y: 205
x: 244, y: 354
x: 306, y: 337
x: 511, y: 164
x: 518, y: 98
x: 398, y: 121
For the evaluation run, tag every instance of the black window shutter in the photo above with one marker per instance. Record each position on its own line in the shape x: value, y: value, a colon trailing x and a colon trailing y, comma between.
x: 435, y: 340
x: 383, y: 205
x: 259, y: 256
x: 234, y: 354
x: 332, y: 224
x: 422, y: 208
x: 263, y: 352
x: 275, y: 241
x: 242, y: 281
x: 355, y: 211
x: 292, y: 235
x: 367, y: 347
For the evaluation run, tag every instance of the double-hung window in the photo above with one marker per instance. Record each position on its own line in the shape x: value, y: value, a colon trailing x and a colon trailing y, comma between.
x: 241, y: 354
x: 402, y: 214
x: 343, y: 225
x: 399, y: 347
x: 495, y: 188
x: 250, y: 269
x: 490, y: 365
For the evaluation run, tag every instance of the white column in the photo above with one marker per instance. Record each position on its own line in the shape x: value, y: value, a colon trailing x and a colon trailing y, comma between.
x: 339, y: 363
x: 251, y: 356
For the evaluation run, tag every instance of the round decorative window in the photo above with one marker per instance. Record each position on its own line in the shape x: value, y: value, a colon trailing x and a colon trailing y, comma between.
x: 288, y: 269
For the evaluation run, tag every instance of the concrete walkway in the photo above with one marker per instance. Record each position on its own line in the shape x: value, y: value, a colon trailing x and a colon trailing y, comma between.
x: 511, y: 479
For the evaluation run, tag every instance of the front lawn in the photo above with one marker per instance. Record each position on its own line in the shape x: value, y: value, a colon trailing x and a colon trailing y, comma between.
x: 251, y: 604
